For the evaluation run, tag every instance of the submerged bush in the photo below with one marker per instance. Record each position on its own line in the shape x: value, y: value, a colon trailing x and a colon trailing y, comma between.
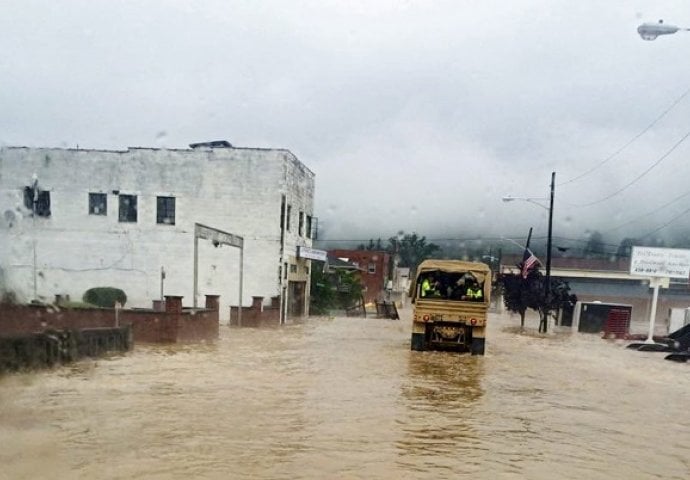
x: 105, y: 297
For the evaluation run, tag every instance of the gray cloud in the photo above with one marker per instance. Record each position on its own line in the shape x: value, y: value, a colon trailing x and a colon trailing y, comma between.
x: 414, y: 115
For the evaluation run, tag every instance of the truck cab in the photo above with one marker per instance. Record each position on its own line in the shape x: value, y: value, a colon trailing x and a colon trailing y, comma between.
x: 451, y: 301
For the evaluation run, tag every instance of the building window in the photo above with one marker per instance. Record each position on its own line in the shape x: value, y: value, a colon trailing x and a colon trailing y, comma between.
x: 98, y: 204
x: 289, y: 214
x: 308, y: 231
x: 128, y: 208
x: 372, y: 268
x: 282, y: 222
x: 37, y: 201
x: 165, y: 212
x: 293, y: 268
x: 301, y: 224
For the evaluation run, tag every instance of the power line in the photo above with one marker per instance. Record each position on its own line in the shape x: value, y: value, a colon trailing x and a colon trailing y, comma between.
x: 628, y: 185
x: 666, y: 224
x: 629, y: 142
x: 650, y: 212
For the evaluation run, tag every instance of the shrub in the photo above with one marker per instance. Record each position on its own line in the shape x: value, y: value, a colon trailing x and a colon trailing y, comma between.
x: 105, y: 297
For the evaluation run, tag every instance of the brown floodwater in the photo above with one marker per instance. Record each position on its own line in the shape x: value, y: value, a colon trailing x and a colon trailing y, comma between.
x: 346, y: 398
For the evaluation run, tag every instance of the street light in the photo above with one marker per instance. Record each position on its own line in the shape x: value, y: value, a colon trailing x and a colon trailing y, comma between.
x: 649, y: 31
x: 547, y: 282
x: 510, y: 198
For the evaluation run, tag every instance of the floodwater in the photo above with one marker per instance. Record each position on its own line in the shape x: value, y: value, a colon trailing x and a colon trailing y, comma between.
x: 346, y: 398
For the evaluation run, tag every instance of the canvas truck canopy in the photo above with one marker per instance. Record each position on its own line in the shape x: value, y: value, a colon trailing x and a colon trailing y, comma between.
x: 479, y: 270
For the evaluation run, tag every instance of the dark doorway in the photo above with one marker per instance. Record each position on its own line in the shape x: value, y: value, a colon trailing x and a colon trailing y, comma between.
x: 296, y: 294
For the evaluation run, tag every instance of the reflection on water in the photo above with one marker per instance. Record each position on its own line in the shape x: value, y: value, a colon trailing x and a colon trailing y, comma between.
x: 346, y: 398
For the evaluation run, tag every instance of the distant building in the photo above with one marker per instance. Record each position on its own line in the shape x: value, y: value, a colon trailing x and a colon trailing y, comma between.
x: 73, y: 219
x: 611, y: 282
x: 374, y: 266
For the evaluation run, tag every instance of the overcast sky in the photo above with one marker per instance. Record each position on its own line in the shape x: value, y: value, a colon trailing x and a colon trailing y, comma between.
x: 414, y: 115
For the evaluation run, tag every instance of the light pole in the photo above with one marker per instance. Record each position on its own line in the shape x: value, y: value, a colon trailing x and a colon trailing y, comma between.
x: 649, y: 31
x: 547, y: 278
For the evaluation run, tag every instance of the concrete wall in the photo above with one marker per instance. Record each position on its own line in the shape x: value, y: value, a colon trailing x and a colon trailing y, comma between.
x: 237, y: 190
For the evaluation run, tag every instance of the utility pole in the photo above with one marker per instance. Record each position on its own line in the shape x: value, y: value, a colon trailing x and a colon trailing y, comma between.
x: 547, y: 281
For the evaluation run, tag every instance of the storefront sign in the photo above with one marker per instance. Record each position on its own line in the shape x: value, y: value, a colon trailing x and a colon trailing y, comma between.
x: 311, y: 253
x: 660, y: 262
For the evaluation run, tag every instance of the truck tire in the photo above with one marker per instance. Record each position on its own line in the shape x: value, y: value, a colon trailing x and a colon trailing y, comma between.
x: 477, y: 347
x: 417, y: 343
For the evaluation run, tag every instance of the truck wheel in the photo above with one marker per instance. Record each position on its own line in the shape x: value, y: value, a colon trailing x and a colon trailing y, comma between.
x: 477, y: 347
x: 417, y: 343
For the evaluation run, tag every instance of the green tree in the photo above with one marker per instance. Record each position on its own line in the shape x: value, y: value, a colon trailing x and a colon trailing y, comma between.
x: 520, y: 294
x: 411, y: 249
x: 321, y: 293
x: 335, y: 289
x: 105, y: 297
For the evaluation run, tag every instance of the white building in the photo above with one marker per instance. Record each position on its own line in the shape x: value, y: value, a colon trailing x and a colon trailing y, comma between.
x: 117, y: 218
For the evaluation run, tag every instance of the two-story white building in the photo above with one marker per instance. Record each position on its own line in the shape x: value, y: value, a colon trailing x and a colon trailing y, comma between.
x: 72, y: 219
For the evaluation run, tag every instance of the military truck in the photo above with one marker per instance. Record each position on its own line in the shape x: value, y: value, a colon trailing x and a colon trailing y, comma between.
x: 451, y: 300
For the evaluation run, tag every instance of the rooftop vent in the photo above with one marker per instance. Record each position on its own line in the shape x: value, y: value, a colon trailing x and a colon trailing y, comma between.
x: 212, y: 144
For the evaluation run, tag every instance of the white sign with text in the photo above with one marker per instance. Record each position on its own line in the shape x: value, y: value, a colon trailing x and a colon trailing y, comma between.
x: 660, y: 262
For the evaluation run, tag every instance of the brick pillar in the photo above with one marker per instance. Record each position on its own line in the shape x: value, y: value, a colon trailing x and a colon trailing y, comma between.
x: 212, y: 302
x: 258, y: 303
x: 173, y: 304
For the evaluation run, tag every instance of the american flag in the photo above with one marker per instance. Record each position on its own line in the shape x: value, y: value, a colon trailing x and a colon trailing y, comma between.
x: 529, y: 260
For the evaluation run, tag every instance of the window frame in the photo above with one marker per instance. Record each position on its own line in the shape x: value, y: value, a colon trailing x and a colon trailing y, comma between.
x: 93, y: 207
x: 132, y: 206
x: 165, y: 204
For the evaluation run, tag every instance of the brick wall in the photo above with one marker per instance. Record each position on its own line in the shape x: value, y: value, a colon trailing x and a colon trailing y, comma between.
x: 258, y: 315
x: 374, y: 267
x: 175, y: 324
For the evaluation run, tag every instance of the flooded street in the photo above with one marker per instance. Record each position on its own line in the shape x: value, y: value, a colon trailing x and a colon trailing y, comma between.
x: 346, y: 398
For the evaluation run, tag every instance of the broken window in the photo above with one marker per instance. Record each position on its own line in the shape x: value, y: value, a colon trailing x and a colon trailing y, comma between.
x: 372, y: 268
x: 98, y: 204
x: 301, y: 223
x: 165, y: 213
x: 38, y: 201
x: 128, y: 208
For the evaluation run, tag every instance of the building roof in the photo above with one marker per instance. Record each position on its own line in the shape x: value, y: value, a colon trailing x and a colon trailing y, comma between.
x: 576, y: 263
x: 339, y: 264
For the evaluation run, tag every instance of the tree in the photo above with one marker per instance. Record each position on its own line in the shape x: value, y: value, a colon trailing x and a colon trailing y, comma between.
x: 321, y: 293
x: 625, y: 248
x: 519, y: 294
x: 411, y: 249
x: 335, y: 289
x: 595, y: 245
x: 373, y: 246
